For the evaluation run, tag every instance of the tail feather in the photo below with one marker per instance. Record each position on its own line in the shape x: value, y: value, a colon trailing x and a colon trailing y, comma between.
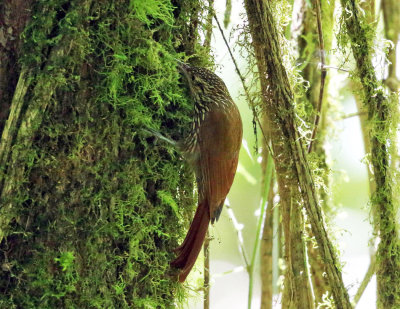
x: 191, y: 233
x: 191, y: 246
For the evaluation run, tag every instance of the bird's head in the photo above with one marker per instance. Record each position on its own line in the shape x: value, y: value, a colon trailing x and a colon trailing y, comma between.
x: 203, y: 84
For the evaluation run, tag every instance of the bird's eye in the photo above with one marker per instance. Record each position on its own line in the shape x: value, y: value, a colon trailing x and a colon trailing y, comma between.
x: 193, y: 78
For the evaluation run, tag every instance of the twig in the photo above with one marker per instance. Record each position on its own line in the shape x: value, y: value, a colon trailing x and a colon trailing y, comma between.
x: 237, y: 269
x: 327, y: 66
x: 264, y: 198
x: 246, y: 91
x: 323, y: 74
x: 206, y: 248
x: 207, y: 271
x: 266, y: 252
x: 353, y: 115
x: 209, y: 27
x: 336, y: 68
x: 228, y: 11
x: 238, y: 229
x: 367, y: 278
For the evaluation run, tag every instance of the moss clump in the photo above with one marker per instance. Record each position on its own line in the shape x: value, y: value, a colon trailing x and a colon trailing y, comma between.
x: 95, y: 213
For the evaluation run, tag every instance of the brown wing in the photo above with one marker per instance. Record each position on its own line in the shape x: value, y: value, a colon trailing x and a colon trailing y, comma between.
x: 219, y: 141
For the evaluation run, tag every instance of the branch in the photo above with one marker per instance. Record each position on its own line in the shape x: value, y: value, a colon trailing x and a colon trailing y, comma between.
x: 228, y: 11
x: 367, y: 278
x: 292, y: 167
x: 207, y: 271
x: 265, y: 193
x: 13, y: 118
x: 323, y: 74
x: 206, y: 248
x: 238, y: 228
x: 382, y: 123
x: 353, y: 115
x: 209, y: 27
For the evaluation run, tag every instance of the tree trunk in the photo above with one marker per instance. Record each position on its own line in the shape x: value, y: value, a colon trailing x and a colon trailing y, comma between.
x: 293, y: 172
x: 310, y: 49
x: 381, y: 111
x: 88, y: 205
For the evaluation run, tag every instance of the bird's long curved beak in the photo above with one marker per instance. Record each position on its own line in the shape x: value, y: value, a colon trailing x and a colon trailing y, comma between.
x: 183, y: 68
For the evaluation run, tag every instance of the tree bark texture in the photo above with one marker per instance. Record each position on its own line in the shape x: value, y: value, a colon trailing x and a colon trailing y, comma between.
x: 296, y: 186
x: 266, y: 252
x: 391, y: 18
x: 297, y: 292
x: 379, y: 110
x: 89, y: 201
x: 14, y: 16
x: 310, y: 51
x: 266, y: 247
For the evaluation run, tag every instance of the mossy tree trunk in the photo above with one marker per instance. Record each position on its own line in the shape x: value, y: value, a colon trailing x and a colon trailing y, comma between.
x: 310, y: 49
x: 91, y: 206
x: 381, y: 116
x: 296, y: 186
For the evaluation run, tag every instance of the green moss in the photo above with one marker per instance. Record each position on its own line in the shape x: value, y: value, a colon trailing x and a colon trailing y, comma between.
x: 101, y: 204
x: 383, y: 122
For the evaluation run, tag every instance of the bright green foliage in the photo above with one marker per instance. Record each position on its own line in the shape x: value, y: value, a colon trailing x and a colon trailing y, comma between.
x: 100, y: 206
x: 66, y: 260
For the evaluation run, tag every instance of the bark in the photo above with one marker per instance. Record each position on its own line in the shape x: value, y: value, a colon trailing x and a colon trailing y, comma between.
x: 297, y: 293
x: 13, y: 17
x: 310, y: 50
x: 266, y: 247
x: 369, y: 8
x: 391, y: 18
x: 209, y: 26
x: 379, y: 117
x: 88, y: 200
x: 206, y: 284
x: 296, y: 186
x: 266, y: 251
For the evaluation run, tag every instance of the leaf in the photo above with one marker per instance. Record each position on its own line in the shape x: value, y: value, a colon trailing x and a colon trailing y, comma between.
x: 120, y: 57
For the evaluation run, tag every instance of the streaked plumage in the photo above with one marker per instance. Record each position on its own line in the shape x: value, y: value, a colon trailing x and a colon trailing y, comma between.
x: 212, y: 147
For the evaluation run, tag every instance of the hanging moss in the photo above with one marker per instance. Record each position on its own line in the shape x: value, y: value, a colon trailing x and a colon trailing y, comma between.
x: 97, y: 203
x: 383, y: 122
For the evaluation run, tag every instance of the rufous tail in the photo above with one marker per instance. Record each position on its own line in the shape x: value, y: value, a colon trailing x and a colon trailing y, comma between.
x: 191, y: 246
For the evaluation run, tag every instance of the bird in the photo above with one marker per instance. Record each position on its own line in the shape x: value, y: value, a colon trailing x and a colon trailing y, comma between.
x: 212, y: 148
